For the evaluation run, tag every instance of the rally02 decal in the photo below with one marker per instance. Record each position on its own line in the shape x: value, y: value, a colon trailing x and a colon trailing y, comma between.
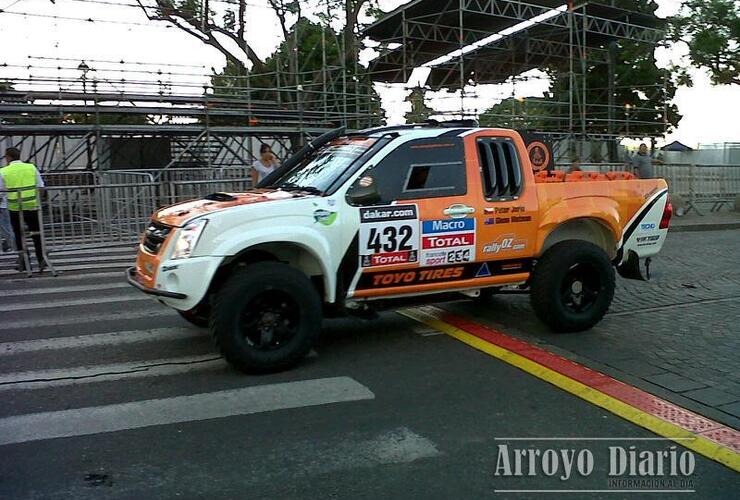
x: 447, y: 241
x: 389, y: 235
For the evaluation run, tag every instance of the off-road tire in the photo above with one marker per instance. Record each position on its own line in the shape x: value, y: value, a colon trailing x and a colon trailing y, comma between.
x: 550, y: 289
x: 232, y: 300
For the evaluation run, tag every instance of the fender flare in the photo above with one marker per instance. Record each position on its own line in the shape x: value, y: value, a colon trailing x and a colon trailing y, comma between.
x: 603, y: 210
x: 300, y: 236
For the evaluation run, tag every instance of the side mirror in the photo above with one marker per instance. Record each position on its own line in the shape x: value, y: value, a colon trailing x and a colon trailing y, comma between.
x: 364, y: 192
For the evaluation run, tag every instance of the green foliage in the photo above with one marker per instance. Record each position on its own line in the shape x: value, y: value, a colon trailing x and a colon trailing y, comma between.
x: 711, y: 28
x: 420, y: 112
x: 324, y: 87
x: 535, y: 113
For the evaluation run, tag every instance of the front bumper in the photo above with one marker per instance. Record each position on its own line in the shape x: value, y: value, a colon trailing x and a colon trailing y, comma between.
x: 131, y: 278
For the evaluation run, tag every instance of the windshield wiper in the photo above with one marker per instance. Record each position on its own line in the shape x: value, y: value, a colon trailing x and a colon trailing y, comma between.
x: 289, y: 186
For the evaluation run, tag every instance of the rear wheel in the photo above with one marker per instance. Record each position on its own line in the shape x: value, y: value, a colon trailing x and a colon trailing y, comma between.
x: 572, y: 286
x: 266, y: 317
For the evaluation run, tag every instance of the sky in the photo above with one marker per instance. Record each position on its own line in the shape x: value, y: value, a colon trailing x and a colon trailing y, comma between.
x: 53, y: 44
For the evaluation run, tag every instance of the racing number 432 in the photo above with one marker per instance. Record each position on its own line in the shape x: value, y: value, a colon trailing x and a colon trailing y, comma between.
x: 390, y: 239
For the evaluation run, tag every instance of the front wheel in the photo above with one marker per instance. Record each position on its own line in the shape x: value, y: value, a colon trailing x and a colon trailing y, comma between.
x: 266, y: 317
x: 572, y: 286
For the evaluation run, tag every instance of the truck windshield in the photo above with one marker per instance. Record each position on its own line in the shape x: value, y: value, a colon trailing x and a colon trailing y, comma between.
x: 318, y: 171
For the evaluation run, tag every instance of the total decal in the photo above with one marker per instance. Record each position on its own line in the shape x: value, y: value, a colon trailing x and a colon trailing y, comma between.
x: 389, y: 235
x: 447, y: 241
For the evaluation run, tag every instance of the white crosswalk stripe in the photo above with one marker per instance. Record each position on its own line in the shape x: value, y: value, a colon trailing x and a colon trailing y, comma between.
x: 99, y: 339
x: 64, y: 289
x: 111, y: 276
x: 36, y: 367
x: 43, y: 379
x: 134, y: 415
x: 154, y: 311
x: 27, y: 306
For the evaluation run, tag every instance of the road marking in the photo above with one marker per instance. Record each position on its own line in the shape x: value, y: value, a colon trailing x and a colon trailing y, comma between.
x: 138, y: 414
x: 19, y: 292
x: 56, y: 377
x: 158, y: 311
x: 711, y: 439
x: 69, y: 277
x: 127, y: 258
x: 62, y: 269
x: 54, y: 303
x: 99, y: 339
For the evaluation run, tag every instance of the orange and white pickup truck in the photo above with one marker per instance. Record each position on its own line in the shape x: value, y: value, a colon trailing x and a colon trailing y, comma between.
x: 397, y: 215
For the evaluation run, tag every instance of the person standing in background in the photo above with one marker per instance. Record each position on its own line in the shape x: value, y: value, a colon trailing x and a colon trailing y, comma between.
x: 22, y: 181
x: 266, y: 164
x: 642, y: 164
x: 575, y: 165
x: 7, y: 239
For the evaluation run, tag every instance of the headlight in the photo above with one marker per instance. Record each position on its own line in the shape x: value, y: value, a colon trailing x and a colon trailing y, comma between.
x: 188, y: 238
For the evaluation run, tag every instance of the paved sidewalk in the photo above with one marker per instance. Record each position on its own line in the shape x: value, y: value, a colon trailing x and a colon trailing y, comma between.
x: 707, y: 222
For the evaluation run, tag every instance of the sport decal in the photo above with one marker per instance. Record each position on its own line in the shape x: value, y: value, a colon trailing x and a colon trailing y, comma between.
x: 421, y: 276
x: 389, y: 235
x: 447, y: 241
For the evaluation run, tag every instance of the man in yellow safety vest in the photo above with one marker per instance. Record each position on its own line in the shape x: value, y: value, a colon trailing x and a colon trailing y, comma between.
x: 22, y: 182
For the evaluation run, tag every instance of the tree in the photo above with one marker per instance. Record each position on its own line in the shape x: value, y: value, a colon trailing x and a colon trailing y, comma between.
x: 711, y: 29
x: 420, y: 112
x: 193, y: 19
x: 324, y: 86
x: 531, y: 113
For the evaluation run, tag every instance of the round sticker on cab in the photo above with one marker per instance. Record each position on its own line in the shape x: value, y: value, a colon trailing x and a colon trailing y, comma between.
x: 539, y: 155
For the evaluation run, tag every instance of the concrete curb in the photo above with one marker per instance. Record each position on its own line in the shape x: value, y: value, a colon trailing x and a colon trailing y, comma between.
x: 709, y: 226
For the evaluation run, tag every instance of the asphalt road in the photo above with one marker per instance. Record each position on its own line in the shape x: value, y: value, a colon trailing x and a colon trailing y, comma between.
x: 108, y: 394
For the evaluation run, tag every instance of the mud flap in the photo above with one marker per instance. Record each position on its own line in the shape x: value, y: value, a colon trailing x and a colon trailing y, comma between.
x: 632, y: 268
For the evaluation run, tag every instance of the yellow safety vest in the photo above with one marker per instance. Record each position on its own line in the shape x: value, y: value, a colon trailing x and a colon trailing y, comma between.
x: 20, y: 182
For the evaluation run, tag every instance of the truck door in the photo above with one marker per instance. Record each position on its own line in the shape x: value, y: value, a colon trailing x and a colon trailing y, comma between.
x: 422, y: 235
x: 507, y: 221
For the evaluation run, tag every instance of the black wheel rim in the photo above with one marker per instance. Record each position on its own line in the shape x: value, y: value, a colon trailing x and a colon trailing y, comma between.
x: 270, y: 320
x: 581, y: 287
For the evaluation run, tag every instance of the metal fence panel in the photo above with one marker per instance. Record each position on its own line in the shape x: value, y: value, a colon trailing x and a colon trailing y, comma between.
x: 91, y: 216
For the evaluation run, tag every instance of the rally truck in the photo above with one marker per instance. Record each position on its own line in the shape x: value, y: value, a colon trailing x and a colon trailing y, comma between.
x: 356, y: 222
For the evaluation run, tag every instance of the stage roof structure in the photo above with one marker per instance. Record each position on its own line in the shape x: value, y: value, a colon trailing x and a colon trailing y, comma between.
x: 428, y: 30
x: 466, y: 43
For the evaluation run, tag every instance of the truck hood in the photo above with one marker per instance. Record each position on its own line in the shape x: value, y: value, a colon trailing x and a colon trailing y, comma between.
x: 179, y: 214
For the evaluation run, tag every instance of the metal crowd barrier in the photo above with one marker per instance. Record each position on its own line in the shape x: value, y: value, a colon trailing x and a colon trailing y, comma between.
x: 80, y: 210
x: 91, y: 209
x: 186, y: 190
x: 97, y: 215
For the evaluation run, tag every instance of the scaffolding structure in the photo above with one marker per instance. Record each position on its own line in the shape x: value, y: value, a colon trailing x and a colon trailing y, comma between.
x: 469, y: 43
x: 100, y: 115
x: 94, y: 122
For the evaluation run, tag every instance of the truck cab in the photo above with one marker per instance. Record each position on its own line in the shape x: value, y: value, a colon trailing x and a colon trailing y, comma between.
x: 366, y: 220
